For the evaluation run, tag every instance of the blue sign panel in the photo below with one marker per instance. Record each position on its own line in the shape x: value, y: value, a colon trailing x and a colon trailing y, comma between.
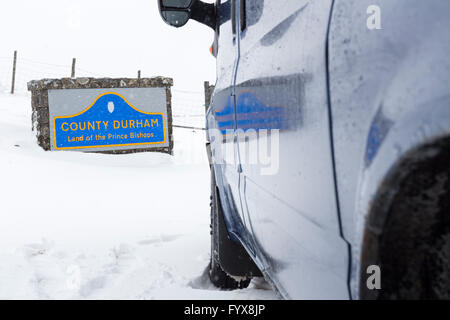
x: 110, y: 121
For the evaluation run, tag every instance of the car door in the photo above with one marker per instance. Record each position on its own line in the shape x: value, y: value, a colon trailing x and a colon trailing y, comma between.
x: 287, y: 184
x: 221, y: 118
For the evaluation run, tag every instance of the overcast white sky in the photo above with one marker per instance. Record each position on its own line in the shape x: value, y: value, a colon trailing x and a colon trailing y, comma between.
x: 111, y: 38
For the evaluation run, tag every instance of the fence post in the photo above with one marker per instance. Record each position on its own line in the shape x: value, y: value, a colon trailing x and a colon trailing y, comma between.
x: 208, y: 93
x: 74, y: 61
x: 139, y: 77
x: 14, y: 72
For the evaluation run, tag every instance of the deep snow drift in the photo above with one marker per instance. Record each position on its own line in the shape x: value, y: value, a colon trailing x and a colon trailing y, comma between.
x: 91, y: 226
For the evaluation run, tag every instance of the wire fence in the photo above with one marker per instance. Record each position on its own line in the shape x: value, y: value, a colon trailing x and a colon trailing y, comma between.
x: 29, y: 69
x: 188, y: 107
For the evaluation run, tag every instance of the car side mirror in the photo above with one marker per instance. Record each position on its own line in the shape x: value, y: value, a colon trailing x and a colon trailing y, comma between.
x: 178, y: 12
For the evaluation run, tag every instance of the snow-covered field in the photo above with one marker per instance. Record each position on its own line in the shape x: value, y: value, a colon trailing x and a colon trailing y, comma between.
x: 91, y: 226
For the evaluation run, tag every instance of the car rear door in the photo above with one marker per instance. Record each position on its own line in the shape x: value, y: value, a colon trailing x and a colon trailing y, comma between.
x: 286, y: 174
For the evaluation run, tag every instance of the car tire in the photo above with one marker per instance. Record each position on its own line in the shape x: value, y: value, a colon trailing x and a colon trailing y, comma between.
x: 437, y: 265
x: 217, y: 275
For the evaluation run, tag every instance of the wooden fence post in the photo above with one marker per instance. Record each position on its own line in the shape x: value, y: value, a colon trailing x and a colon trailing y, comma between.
x: 74, y: 61
x: 14, y: 73
x: 208, y: 93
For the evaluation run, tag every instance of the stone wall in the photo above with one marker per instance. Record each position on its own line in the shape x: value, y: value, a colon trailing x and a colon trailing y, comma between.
x: 40, y: 107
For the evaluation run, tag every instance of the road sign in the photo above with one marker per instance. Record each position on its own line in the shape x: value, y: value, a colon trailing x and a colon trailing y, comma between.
x: 108, y: 119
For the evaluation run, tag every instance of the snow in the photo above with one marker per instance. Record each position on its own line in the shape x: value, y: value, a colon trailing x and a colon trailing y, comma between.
x: 91, y: 226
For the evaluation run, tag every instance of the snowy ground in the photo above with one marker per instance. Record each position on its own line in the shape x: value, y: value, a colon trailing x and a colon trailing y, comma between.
x: 91, y: 226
